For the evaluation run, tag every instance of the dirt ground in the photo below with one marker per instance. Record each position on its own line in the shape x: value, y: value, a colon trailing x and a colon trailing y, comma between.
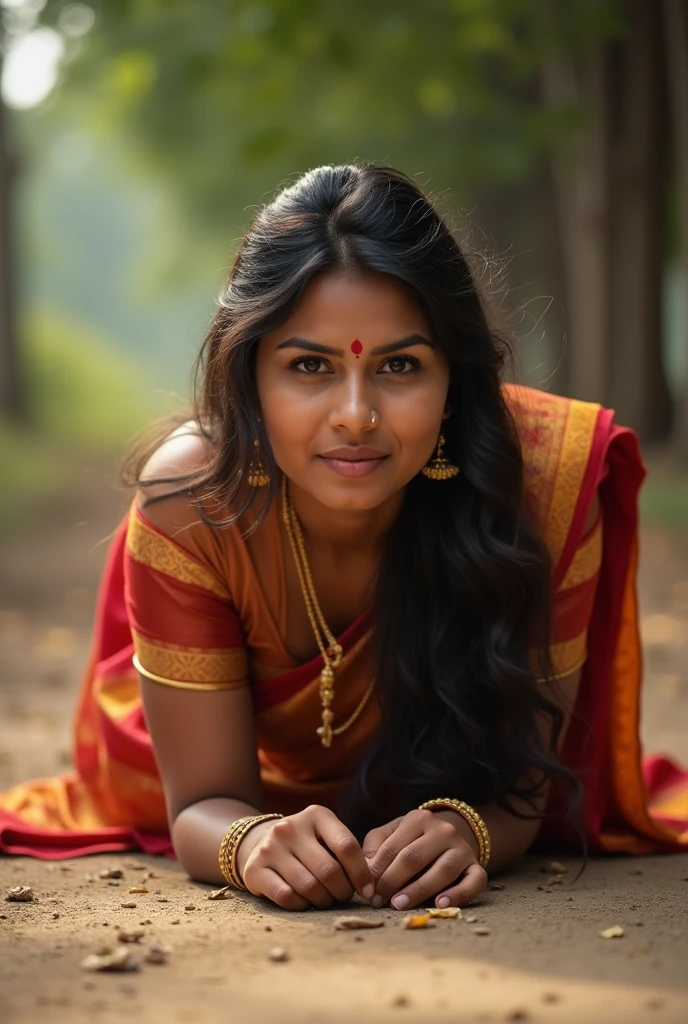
x: 543, y: 959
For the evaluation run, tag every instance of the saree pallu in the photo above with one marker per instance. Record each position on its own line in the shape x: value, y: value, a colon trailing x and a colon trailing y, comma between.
x: 194, y: 615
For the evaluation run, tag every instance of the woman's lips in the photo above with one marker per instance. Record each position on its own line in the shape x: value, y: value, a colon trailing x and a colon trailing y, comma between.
x: 354, y: 467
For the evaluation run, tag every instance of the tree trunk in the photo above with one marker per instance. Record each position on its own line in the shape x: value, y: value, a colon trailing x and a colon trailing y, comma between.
x: 675, y: 16
x: 609, y: 185
x: 581, y: 178
x: 12, y: 402
x: 638, y: 387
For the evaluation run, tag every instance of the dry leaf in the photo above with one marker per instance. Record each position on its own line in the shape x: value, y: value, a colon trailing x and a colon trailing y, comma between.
x: 127, y: 906
x: 20, y: 894
x: 278, y: 955
x: 221, y: 894
x: 358, y: 922
x: 119, y: 959
x: 481, y: 931
x: 138, y: 888
x: 157, y: 954
x: 135, y: 935
x: 615, y: 932
x: 445, y: 912
x: 111, y: 873
x: 417, y: 921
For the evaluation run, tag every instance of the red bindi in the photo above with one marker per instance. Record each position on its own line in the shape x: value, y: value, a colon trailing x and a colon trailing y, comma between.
x: 356, y: 348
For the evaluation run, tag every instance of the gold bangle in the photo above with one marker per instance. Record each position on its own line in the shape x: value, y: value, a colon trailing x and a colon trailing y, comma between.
x: 230, y: 845
x: 478, y: 826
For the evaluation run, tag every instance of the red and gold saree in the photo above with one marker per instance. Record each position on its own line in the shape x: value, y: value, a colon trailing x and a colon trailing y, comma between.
x: 196, y: 615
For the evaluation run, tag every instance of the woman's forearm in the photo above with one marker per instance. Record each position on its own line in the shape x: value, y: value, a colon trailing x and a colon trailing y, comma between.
x: 198, y: 831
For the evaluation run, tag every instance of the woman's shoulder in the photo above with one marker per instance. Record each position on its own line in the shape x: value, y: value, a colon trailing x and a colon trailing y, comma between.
x: 165, y: 478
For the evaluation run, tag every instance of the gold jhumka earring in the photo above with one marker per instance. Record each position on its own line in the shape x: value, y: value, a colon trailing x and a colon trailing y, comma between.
x: 258, y: 476
x: 439, y: 467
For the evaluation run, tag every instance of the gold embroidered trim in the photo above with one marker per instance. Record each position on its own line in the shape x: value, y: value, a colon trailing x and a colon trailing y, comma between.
x: 573, y: 460
x: 195, y: 665
x: 566, y: 658
x: 586, y: 561
x: 157, y: 551
x: 184, y: 685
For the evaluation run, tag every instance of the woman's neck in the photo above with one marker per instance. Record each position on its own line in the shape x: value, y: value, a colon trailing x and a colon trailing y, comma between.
x: 344, y: 532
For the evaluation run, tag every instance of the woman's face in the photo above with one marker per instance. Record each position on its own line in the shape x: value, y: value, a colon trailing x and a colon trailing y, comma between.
x: 356, y: 345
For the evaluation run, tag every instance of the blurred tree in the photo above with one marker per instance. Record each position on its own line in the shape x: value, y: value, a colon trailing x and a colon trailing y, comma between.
x: 232, y: 98
x: 12, y: 398
x: 676, y: 34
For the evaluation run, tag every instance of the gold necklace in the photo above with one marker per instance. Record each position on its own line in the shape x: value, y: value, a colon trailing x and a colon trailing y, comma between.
x: 330, y: 649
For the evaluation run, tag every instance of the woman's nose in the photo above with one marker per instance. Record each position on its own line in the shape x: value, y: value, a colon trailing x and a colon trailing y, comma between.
x: 352, y: 408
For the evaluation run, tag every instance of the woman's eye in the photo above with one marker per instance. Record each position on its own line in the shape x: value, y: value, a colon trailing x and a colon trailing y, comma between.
x: 402, y: 365
x: 307, y: 364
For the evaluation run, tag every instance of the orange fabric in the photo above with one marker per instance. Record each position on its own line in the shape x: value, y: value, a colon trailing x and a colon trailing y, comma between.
x: 193, y: 609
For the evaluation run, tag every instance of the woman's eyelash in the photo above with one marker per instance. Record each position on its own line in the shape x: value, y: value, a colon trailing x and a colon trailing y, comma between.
x: 295, y: 364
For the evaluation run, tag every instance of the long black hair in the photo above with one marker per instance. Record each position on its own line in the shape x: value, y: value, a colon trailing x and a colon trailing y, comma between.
x: 463, y: 586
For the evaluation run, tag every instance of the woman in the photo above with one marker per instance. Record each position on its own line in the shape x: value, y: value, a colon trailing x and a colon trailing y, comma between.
x: 366, y: 577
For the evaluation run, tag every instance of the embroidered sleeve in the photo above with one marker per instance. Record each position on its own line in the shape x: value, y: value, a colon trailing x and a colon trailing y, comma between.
x: 185, y: 629
x: 572, y: 606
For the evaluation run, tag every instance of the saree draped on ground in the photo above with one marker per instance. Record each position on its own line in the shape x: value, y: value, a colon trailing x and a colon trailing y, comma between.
x: 196, y: 614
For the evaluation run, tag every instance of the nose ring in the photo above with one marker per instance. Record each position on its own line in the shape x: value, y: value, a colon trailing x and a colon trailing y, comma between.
x: 374, y: 418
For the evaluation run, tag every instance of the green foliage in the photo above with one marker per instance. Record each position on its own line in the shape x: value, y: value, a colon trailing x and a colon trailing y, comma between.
x: 231, y: 98
x: 87, y: 402
x: 82, y: 393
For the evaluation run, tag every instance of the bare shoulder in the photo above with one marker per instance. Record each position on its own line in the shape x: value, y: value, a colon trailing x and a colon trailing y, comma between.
x: 163, y: 488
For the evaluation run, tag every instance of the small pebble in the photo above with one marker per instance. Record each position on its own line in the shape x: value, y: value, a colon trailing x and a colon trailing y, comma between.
x: 268, y: 928
x: 190, y: 906
x: 138, y: 888
x: 551, y: 997
x: 55, y: 917
x: 20, y: 894
x: 156, y: 955
x: 481, y: 931
x: 111, y: 873
x: 472, y: 919
x: 497, y: 886
x: 128, y: 906
x: 278, y: 955
x: 401, y: 1000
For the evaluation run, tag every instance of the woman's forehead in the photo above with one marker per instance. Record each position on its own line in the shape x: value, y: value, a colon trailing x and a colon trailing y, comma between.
x: 356, y: 306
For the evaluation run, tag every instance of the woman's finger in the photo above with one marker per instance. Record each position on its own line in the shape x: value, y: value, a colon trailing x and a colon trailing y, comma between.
x: 344, y: 846
x: 471, y: 885
x: 267, y: 882
x: 322, y: 865
x: 447, y: 868
x: 412, y: 853
x: 409, y: 828
x: 295, y: 873
x: 374, y: 839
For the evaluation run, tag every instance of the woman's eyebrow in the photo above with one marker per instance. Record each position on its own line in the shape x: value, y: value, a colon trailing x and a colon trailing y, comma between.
x: 381, y: 350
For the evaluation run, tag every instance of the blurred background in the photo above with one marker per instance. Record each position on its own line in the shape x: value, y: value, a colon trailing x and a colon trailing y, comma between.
x: 138, y: 137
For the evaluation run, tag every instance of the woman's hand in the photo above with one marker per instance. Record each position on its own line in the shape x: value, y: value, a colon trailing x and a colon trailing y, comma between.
x: 305, y: 859
x: 420, y: 840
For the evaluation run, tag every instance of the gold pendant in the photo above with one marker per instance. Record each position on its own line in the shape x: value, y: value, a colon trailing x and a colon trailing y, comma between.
x: 324, y: 731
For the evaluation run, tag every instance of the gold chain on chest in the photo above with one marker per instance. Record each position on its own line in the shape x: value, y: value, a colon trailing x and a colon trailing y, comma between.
x: 330, y: 649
